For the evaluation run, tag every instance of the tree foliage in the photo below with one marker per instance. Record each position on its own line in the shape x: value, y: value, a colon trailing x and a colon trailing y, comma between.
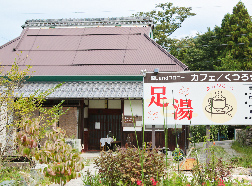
x: 235, y: 34
x: 25, y: 128
x: 167, y: 18
x: 199, y: 132
x: 199, y: 53
x: 225, y: 48
x: 19, y: 113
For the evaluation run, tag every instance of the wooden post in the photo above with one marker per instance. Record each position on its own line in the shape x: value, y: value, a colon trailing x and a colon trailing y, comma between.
x: 153, y: 136
x: 208, y: 145
x: 81, y: 121
x: 185, y: 139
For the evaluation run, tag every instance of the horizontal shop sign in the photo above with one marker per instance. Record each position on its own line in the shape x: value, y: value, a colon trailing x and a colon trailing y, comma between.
x: 198, y: 98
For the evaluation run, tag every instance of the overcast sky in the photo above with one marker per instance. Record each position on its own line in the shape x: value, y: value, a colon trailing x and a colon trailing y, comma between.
x: 14, y: 12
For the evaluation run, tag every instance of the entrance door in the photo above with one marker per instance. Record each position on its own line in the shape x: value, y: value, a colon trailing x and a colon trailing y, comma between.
x: 109, y: 119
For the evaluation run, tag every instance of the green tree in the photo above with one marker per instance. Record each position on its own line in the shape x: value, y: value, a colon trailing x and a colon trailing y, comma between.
x: 199, y: 53
x: 235, y: 35
x: 167, y: 18
x: 227, y: 47
x: 19, y: 113
x: 24, y: 128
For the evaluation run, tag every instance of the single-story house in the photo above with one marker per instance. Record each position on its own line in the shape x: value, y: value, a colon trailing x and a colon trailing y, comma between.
x: 100, y: 62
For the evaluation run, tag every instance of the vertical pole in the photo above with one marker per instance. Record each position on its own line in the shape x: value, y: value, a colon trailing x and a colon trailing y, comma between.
x: 143, y: 121
x: 185, y: 139
x: 208, y: 145
x: 153, y: 136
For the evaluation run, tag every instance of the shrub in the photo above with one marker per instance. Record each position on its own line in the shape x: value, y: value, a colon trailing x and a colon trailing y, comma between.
x: 245, y: 160
x: 63, y: 161
x: 131, y: 166
x: 198, y: 132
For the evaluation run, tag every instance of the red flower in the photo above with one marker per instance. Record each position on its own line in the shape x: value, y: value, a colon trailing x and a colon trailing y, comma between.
x: 221, y: 182
x: 139, y: 182
x: 153, y: 181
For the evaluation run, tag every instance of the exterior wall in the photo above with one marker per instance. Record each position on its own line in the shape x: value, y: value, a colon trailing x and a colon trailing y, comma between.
x: 104, y: 104
x: 10, y: 137
x: 7, y: 134
x: 137, y: 109
x: 182, y: 138
x: 136, y: 105
x: 3, y: 121
x: 69, y: 122
x: 244, y: 136
x: 97, y: 104
x: 86, y: 109
x: 114, y: 104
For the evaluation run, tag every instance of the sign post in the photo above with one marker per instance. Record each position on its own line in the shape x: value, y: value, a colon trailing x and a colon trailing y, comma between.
x: 208, y: 145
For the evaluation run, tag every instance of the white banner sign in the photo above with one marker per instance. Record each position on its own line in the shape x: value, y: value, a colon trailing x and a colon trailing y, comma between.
x: 198, y: 98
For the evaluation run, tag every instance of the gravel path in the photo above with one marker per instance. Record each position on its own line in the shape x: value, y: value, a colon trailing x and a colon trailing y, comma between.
x: 226, y: 152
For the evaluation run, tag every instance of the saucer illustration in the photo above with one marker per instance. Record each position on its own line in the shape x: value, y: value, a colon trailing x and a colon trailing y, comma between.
x: 219, y: 105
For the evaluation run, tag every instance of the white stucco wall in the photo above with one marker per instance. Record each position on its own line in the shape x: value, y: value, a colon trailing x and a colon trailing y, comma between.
x: 103, y: 104
x: 136, y: 105
x: 137, y: 109
x: 97, y: 104
x: 114, y: 104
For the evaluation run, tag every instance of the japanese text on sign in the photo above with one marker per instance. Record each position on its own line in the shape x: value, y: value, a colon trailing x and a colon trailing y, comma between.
x: 199, y: 77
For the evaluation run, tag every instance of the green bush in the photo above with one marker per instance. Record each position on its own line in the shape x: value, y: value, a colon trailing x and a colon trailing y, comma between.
x: 245, y: 160
x: 131, y: 166
x: 198, y: 132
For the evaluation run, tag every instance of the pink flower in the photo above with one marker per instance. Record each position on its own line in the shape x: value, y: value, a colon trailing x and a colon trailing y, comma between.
x: 69, y: 171
x: 139, y: 182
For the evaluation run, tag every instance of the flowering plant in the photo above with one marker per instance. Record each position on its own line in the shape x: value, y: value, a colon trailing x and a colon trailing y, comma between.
x: 63, y: 161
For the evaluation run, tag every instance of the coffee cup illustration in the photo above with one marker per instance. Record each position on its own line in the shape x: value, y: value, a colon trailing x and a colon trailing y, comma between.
x: 217, y: 103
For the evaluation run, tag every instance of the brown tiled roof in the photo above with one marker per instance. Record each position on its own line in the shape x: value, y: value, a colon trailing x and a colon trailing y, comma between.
x: 88, y: 51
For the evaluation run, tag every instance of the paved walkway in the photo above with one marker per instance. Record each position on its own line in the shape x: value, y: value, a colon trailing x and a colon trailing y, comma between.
x: 226, y: 152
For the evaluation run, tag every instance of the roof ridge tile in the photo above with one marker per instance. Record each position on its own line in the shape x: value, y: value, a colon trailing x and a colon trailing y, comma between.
x: 8, y: 43
x: 21, y: 38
